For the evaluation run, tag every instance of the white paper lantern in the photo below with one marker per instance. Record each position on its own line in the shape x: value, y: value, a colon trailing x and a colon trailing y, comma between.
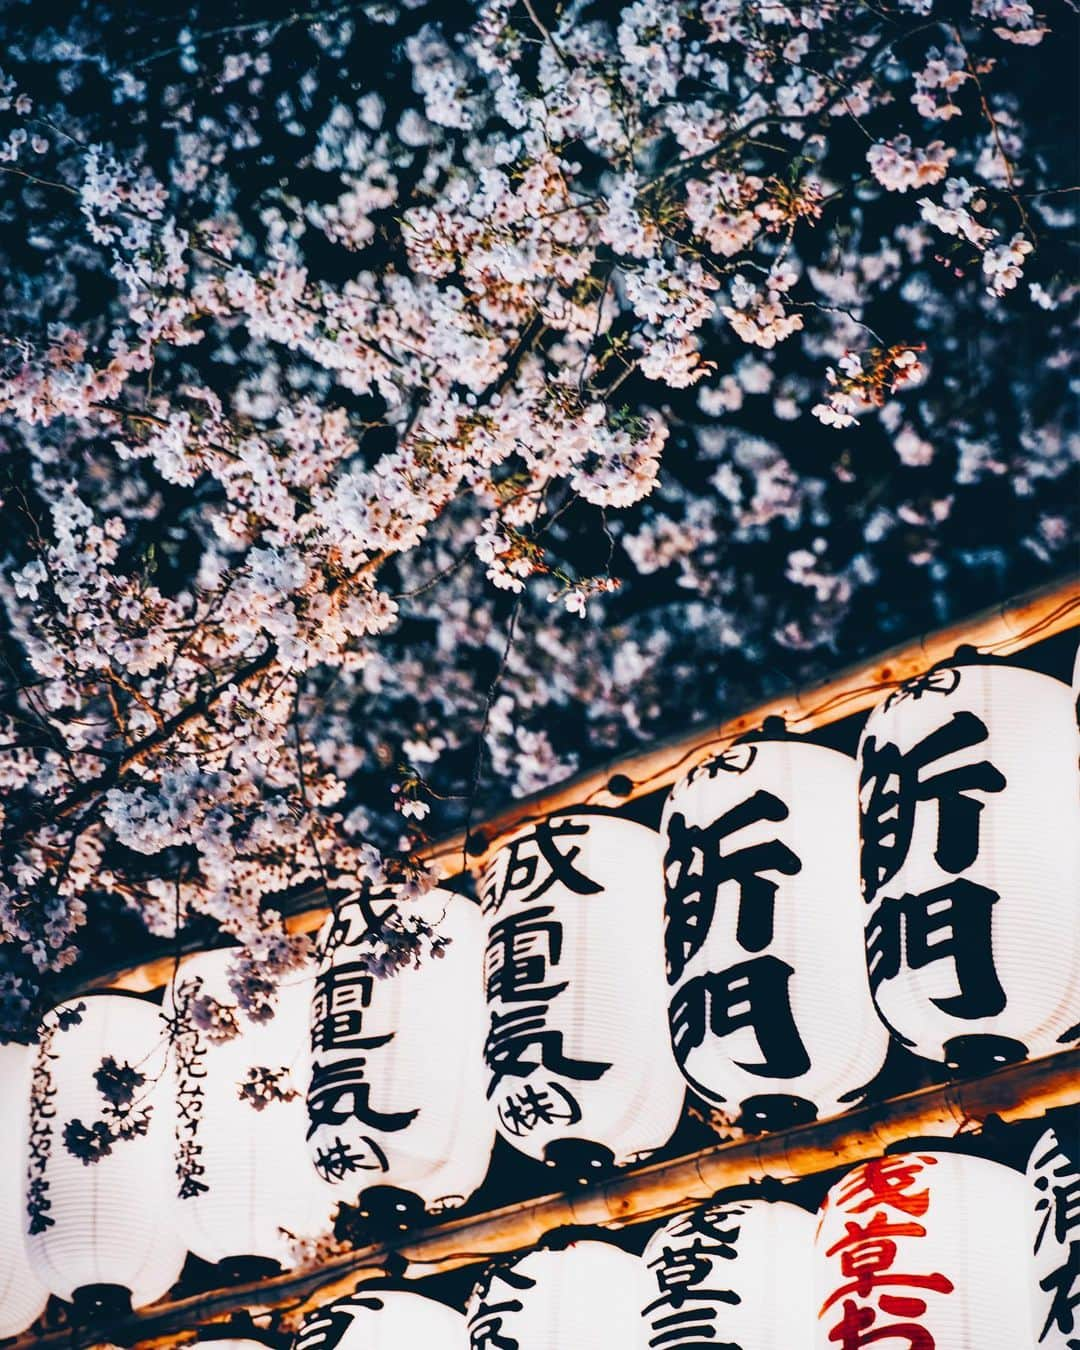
x: 770, y: 1008
x: 375, y: 1318
x: 245, y: 1181
x: 588, y: 1297
x: 397, y: 1088
x: 1054, y: 1198
x: 733, y: 1272
x: 923, y: 1250
x: 99, y: 1086
x: 578, y: 1050
x: 971, y: 864
x: 22, y: 1295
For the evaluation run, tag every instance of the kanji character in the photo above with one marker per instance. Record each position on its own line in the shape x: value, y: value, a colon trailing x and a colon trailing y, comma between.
x: 750, y: 994
x: 695, y: 867
x: 897, y: 787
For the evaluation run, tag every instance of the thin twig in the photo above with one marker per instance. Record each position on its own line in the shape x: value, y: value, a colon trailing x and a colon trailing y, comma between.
x: 489, y: 701
x: 546, y: 35
x: 273, y: 26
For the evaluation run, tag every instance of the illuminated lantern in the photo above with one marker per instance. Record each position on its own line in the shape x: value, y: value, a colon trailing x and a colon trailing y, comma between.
x: 734, y: 1272
x: 588, y: 1296
x: 579, y: 1059
x: 22, y: 1295
x: 971, y: 864
x: 100, y: 1201
x: 925, y: 1250
x: 771, y: 1014
x: 1054, y: 1198
x: 378, y: 1318
x: 397, y: 1087
x: 245, y: 1182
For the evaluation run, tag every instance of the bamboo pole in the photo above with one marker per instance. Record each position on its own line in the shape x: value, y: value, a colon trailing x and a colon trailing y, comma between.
x: 998, y: 631
x: 1018, y: 1092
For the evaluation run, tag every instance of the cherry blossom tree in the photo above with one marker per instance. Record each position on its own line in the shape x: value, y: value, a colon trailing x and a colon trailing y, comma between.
x: 402, y: 405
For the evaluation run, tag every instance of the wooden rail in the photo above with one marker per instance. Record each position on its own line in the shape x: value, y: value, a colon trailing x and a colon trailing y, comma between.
x: 1019, y: 1092
x: 1000, y: 631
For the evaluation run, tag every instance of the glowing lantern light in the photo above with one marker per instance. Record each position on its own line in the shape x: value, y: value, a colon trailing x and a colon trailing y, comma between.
x: 245, y: 1182
x: 588, y: 1296
x: 1054, y: 1175
x: 397, y: 1089
x: 771, y: 1010
x: 578, y: 1053
x: 971, y: 864
x: 733, y: 1272
x: 100, y: 1204
x: 923, y: 1249
x: 22, y: 1295
x: 378, y: 1318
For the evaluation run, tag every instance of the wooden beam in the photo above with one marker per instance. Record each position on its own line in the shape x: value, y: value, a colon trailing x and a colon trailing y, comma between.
x: 1018, y: 1092
x: 999, y: 631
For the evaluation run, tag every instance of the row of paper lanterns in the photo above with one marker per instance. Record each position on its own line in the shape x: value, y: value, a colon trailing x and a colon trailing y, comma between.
x: 796, y: 907
x: 606, y: 967
x: 922, y: 1250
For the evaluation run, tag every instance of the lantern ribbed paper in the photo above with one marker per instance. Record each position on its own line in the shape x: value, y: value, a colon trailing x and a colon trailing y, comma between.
x: 1053, y: 1173
x: 397, y: 1089
x: 927, y: 1250
x: 577, y: 1046
x: 770, y: 1009
x: 588, y: 1297
x: 734, y: 1272
x: 384, y: 1319
x: 106, y: 1217
x: 244, y: 1178
x: 22, y: 1295
x: 971, y: 864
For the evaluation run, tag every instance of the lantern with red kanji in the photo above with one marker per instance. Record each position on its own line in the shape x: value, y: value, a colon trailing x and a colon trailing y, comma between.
x: 923, y: 1251
x: 971, y: 864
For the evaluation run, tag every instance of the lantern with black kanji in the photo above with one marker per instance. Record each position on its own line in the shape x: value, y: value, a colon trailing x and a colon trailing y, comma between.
x: 971, y: 864
x: 589, y: 1296
x: 245, y: 1182
x: 379, y: 1317
x: 737, y: 1271
x: 927, y: 1250
x: 396, y: 1106
x: 100, y: 1200
x: 22, y: 1295
x: 1053, y: 1173
x: 771, y: 1015
x: 580, y: 1069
